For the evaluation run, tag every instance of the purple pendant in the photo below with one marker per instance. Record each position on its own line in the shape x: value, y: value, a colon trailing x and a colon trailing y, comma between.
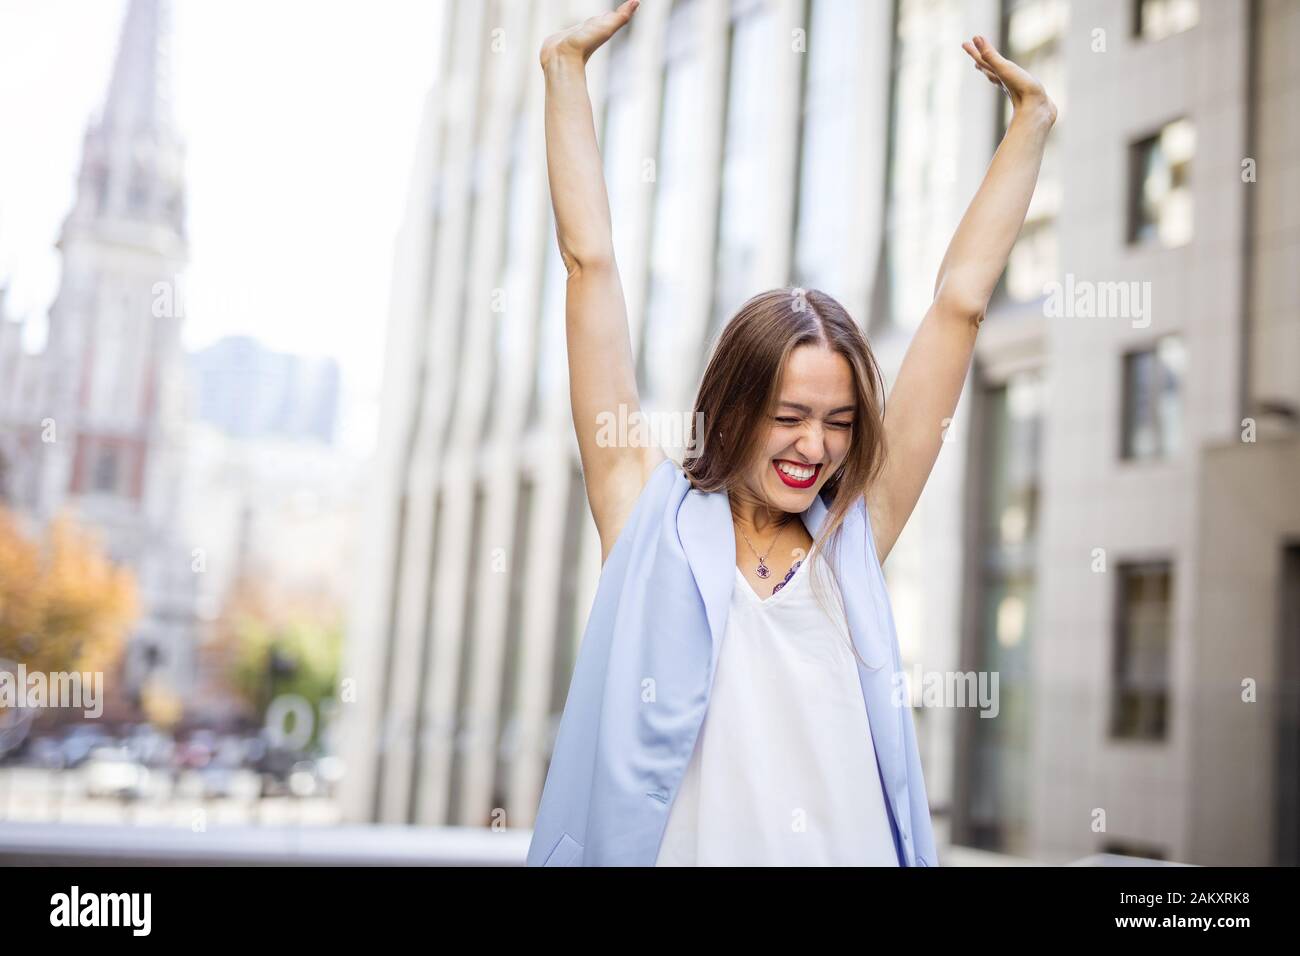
x: 763, y: 570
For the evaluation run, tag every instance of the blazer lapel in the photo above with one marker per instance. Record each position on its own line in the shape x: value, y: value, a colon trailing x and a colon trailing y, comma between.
x: 866, y: 606
x: 709, y: 542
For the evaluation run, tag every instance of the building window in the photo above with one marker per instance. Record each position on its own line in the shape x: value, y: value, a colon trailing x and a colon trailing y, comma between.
x: 618, y: 144
x: 471, y: 61
x: 1157, y: 19
x: 137, y: 194
x: 679, y: 163
x: 550, y: 353
x: 925, y: 147
x: 99, y: 187
x: 508, y: 314
x: 426, y: 739
x: 1152, y: 404
x: 568, y: 619
x: 1286, y: 746
x: 509, y: 727
x: 1140, y: 693
x: 1160, y: 201
x: 742, y: 214
x: 996, y: 814
x: 106, y: 471
x: 1033, y: 33
x: 465, y: 729
x: 827, y: 166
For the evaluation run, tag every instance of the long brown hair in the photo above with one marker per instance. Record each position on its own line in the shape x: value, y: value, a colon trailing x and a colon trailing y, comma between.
x: 741, y: 387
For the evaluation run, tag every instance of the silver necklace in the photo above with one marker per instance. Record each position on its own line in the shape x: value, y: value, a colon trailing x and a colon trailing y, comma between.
x: 763, y: 571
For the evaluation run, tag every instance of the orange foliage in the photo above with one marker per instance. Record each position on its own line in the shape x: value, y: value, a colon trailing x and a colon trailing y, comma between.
x: 64, y: 605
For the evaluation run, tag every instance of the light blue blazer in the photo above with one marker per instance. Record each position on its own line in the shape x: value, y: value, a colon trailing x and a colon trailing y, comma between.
x: 645, y: 668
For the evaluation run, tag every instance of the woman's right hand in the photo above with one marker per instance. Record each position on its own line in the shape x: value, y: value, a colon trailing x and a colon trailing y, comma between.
x: 1026, y: 93
x: 578, y: 43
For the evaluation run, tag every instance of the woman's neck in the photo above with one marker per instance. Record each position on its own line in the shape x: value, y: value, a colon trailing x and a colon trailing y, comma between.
x: 754, y: 517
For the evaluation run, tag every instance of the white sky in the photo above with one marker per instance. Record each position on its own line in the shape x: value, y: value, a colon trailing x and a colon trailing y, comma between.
x: 300, y: 121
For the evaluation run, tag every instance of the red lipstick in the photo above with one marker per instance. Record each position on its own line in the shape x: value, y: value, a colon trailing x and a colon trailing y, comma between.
x: 794, y: 482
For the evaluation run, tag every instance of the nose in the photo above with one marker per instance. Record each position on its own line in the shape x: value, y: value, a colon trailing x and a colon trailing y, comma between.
x: 811, y: 444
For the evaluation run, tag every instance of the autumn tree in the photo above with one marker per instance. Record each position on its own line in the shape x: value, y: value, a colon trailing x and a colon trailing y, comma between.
x: 64, y: 606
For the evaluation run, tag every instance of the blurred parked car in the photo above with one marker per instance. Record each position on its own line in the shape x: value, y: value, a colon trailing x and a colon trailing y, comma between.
x: 196, y: 752
x: 230, y: 750
x: 114, y: 772
x: 276, y: 766
x: 150, y: 746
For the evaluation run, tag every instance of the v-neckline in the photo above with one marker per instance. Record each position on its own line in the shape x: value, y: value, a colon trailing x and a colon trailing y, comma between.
x: 765, y: 601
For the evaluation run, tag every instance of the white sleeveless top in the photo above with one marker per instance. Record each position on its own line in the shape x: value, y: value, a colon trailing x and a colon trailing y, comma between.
x: 784, y: 770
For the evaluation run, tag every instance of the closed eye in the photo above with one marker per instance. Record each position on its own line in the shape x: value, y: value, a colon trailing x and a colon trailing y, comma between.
x: 795, y: 421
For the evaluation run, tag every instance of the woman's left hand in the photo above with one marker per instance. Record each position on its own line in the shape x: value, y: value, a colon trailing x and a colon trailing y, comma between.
x: 1027, y: 94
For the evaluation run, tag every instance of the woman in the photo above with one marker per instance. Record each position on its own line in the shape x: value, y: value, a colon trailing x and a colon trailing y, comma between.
x: 727, y: 706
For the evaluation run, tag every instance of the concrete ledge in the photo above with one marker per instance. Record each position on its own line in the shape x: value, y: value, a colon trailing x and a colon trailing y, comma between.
x: 73, y: 844
x: 1114, y: 859
x: 81, y: 844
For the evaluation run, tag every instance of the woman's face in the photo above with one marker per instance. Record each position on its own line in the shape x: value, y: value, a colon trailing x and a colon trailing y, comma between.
x: 809, y: 434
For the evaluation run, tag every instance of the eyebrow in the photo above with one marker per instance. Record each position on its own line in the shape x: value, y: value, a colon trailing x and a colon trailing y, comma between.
x: 806, y: 410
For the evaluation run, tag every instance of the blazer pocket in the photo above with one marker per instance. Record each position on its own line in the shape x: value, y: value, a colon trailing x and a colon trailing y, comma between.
x: 567, y: 852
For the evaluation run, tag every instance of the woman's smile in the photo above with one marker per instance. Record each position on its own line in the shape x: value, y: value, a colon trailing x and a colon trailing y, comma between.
x: 796, y: 474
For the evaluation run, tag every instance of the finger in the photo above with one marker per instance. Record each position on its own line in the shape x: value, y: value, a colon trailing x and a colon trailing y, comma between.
x: 625, y: 10
x: 980, y: 63
x: 983, y: 68
x: 986, y: 49
x: 989, y: 55
x: 606, y: 25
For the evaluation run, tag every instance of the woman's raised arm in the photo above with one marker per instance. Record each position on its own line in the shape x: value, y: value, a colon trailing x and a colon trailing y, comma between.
x: 602, y: 373
x: 932, y: 373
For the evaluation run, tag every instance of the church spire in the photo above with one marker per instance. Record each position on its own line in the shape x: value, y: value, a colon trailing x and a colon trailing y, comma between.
x: 139, y: 94
x: 132, y: 158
